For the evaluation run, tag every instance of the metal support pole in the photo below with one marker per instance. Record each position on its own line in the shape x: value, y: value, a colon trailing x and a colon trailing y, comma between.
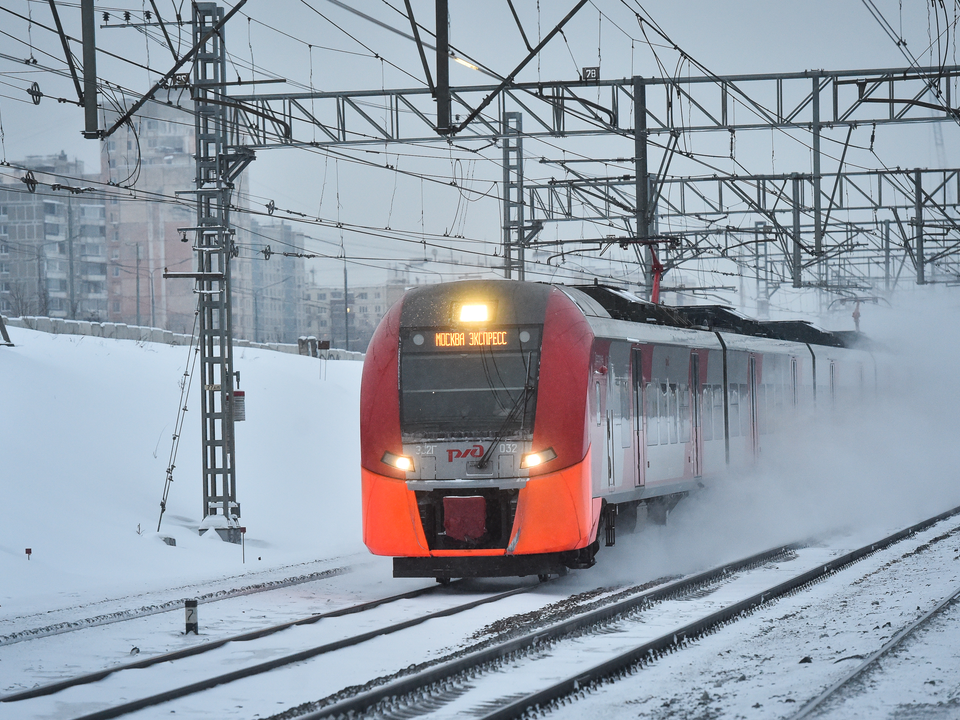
x: 796, y: 232
x: 214, y: 245
x: 138, y: 285
x: 886, y: 255
x: 817, y: 200
x: 443, y: 68
x: 513, y: 210
x: 71, y: 263
x: 5, y: 339
x: 918, y: 223
x: 642, y: 176
x: 153, y: 303
x: 346, y: 310
x: 88, y: 23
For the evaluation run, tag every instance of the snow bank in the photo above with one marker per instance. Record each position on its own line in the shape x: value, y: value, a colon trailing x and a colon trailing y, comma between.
x: 86, y: 432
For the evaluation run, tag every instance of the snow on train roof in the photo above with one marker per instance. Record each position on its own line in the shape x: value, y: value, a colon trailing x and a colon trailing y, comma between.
x: 604, y: 301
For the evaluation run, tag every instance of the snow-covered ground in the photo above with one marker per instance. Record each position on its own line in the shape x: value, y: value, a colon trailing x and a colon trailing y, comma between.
x: 87, y: 426
x: 85, y: 436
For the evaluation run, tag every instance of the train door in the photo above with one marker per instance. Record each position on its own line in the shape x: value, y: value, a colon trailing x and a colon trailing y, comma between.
x: 639, y: 416
x: 695, y: 415
x: 754, y: 409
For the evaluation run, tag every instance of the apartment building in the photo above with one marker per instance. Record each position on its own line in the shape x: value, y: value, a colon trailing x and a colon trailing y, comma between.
x: 52, y: 242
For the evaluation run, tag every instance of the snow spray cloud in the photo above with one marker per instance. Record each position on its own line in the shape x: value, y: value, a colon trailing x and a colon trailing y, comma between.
x: 859, y: 471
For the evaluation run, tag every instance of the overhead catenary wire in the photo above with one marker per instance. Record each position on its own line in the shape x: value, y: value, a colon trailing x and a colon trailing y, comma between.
x: 438, y: 178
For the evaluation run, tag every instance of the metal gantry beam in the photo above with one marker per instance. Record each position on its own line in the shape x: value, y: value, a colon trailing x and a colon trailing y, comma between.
x: 642, y: 110
x: 707, y: 208
x: 805, y: 101
x: 724, y: 215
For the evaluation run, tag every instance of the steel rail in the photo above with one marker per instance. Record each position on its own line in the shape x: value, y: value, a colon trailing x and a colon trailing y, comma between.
x: 625, y: 662
x: 55, y: 687
x: 208, y: 683
x: 360, y: 703
x: 420, y: 682
x: 120, y: 616
x: 812, y: 705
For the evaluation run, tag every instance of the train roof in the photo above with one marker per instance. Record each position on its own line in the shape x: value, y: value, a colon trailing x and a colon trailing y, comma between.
x: 621, y: 304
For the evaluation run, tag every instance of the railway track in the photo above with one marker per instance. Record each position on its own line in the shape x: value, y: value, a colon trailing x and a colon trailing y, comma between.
x: 20, y: 702
x: 111, y: 616
x: 835, y: 692
x: 205, y: 647
x: 546, y: 669
x: 537, y: 657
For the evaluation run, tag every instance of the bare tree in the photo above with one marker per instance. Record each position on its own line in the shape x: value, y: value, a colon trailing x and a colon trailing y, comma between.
x: 20, y: 304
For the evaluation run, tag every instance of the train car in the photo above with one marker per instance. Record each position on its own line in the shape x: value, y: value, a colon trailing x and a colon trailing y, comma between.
x: 509, y: 428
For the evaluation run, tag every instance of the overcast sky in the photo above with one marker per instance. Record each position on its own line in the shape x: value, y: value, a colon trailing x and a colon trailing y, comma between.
x: 319, y: 44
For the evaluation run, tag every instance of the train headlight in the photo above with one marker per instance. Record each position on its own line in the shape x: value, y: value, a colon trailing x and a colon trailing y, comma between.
x: 475, y: 312
x: 400, y: 462
x: 531, y: 460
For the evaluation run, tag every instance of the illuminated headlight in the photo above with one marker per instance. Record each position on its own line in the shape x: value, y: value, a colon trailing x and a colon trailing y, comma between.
x: 538, y: 458
x: 400, y: 462
x: 474, y: 313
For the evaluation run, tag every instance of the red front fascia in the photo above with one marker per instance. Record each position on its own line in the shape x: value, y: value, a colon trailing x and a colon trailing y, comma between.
x: 563, y: 383
x: 555, y: 513
x: 380, y: 397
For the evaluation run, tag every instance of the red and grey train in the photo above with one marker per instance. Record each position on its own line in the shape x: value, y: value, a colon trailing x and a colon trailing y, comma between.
x: 508, y: 427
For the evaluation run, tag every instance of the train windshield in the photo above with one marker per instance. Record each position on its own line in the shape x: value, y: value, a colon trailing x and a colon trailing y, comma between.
x: 476, y: 384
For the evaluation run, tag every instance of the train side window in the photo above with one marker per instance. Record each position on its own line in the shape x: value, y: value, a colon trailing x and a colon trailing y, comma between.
x: 706, y: 413
x: 735, y: 409
x: 671, y: 418
x: 778, y: 393
x: 745, y: 400
x: 718, y: 412
x: 651, y: 395
x: 626, y: 430
x: 795, y: 377
x: 762, y: 415
x: 664, y: 414
x: 599, y: 411
x: 684, y: 415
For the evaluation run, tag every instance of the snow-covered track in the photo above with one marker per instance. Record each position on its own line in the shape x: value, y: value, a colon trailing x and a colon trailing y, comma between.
x: 125, y: 708
x: 812, y: 708
x: 451, y: 686
x: 121, y: 615
x: 207, y: 646
x: 440, y: 679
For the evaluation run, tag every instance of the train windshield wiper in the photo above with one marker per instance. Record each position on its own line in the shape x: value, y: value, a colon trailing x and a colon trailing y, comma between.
x: 518, y: 406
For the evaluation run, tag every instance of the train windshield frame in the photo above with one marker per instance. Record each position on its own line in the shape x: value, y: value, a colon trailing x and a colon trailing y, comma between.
x: 457, y: 383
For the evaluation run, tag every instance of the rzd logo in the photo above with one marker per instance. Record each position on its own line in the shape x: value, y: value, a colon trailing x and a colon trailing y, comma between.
x: 475, y: 451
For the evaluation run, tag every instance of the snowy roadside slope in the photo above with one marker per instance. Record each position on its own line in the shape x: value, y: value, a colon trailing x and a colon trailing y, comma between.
x: 85, y: 432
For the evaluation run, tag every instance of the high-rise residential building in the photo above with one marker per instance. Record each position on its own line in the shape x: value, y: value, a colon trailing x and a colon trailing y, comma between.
x: 365, y: 306
x: 268, y: 305
x: 151, y: 160
x: 149, y: 218
x: 52, y: 244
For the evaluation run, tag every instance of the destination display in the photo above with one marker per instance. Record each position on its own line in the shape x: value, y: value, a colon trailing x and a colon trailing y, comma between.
x: 510, y: 338
x: 469, y: 338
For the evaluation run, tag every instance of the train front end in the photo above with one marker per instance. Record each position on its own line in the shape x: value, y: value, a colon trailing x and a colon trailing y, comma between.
x: 475, y: 453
